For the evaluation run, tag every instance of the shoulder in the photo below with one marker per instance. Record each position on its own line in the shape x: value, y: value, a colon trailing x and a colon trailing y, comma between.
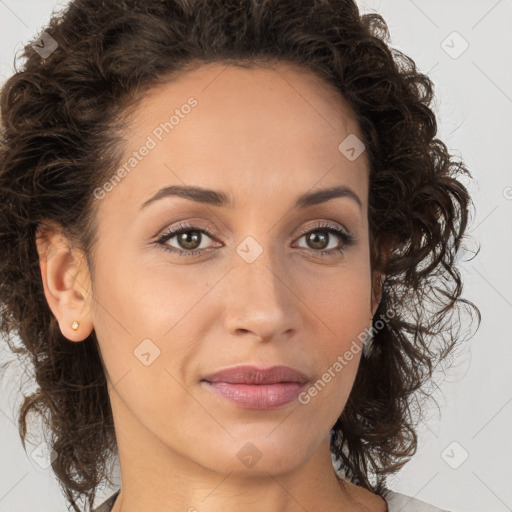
x: 400, y: 502
x: 395, y: 501
x: 107, y: 505
x: 368, y: 499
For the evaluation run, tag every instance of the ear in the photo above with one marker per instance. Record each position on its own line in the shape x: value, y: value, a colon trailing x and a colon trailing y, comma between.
x: 377, y: 284
x: 381, y: 252
x: 66, y: 281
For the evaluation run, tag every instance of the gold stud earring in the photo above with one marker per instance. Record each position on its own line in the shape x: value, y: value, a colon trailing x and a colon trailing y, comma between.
x: 75, y: 325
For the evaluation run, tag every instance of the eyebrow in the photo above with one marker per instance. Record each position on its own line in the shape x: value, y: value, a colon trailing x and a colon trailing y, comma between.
x: 218, y: 198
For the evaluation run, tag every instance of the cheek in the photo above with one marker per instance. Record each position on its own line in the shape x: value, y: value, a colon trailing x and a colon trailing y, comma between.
x: 340, y: 307
x: 145, y: 322
x: 341, y: 298
x: 140, y: 339
x: 147, y: 298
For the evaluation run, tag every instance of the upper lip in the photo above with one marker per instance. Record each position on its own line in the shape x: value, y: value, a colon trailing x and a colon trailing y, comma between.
x: 252, y: 375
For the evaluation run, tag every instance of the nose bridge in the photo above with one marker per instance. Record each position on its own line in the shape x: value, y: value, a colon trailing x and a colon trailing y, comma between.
x: 261, y: 300
x: 258, y: 267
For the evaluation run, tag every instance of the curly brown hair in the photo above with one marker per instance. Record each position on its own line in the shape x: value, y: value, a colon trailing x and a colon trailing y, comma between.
x: 62, y: 121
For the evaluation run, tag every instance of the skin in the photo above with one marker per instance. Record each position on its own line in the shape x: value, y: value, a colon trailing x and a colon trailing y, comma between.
x: 263, y: 136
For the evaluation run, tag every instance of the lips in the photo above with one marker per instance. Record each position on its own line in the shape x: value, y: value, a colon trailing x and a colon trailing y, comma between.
x: 250, y: 387
x: 254, y: 376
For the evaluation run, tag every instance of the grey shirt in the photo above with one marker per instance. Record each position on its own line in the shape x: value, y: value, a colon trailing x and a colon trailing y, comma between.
x: 396, y: 503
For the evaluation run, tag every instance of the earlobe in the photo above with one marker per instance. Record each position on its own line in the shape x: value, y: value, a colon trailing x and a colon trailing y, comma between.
x: 66, y: 283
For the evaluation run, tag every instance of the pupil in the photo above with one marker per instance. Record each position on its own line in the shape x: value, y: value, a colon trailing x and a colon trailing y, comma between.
x: 189, y: 237
x: 314, y: 237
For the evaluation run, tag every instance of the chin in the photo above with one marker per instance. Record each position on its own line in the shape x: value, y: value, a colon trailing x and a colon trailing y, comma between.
x: 256, y: 455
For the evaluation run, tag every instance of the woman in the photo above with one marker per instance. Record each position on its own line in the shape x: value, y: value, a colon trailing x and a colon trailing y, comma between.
x: 228, y: 240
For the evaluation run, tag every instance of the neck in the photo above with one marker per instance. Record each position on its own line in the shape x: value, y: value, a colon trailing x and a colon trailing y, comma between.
x: 311, y: 487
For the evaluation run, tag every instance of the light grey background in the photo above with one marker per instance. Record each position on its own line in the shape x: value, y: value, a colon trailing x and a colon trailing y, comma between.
x: 474, y: 107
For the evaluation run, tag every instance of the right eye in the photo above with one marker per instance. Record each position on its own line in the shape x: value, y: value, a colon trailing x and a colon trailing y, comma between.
x: 190, y: 244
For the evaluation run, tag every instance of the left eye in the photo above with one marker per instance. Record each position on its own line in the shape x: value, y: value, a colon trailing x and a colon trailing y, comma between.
x: 345, y: 239
x: 319, y: 238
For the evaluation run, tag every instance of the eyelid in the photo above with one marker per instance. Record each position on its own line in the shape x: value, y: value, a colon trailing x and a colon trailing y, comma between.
x: 196, y: 223
x: 319, y: 224
x: 193, y: 226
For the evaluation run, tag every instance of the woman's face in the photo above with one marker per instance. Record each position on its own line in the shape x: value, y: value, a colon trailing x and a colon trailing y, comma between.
x: 255, y: 290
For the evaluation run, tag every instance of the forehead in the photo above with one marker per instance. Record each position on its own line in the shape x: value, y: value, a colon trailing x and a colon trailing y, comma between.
x: 249, y: 131
x: 230, y: 92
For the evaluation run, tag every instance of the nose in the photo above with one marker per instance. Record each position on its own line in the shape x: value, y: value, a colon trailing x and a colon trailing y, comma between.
x: 260, y: 299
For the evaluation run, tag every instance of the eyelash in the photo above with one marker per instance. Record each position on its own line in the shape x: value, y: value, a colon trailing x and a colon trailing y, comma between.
x: 347, y: 239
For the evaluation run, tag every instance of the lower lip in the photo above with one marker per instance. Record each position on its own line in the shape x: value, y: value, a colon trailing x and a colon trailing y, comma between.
x: 258, y: 396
